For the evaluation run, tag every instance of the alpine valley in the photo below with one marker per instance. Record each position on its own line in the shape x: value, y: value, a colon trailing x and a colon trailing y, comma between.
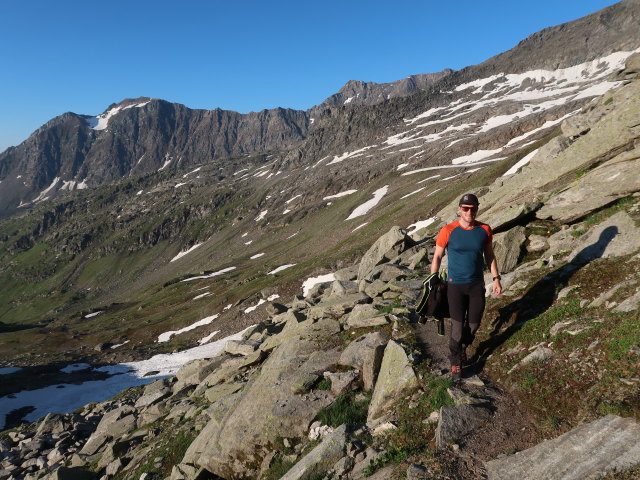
x: 203, y: 294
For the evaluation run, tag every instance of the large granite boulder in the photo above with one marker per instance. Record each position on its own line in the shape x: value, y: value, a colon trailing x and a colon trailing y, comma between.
x: 588, y: 451
x: 267, y: 407
x: 388, y: 246
x: 395, y: 378
x: 508, y: 248
x: 365, y: 353
x: 322, y: 458
x: 615, y: 179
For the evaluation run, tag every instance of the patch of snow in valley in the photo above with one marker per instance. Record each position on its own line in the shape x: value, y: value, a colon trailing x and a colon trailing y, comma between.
x: 251, y: 309
x: 117, y: 345
x: 244, y: 234
x: 192, y: 171
x: 227, y: 307
x: 240, y: 171
x: 311, y: 282
x: 248, y: 242
x: 292, y: 199
x: 179, y: 185
x: 360, y: 226
x: 139, y: 192
x: 368, y: 205
x: 547, y: 124
x: 281, y: 268
x: 9, y: 370
x: 261, y: 215
x: 68, y: 185
x: 348, y: 100
x: 257, y: 255
x: 286, y: 211
x: 211, y: 275
x: 166, y: 336
x: 475, y: 156
x: 339, y: 195
x: 70, y: 397
x: 94, y: 314
x: 526, y: 159
x: 401, y: 166
x: 291, y: 236
x: 82, y: 185
x: 182, y: 254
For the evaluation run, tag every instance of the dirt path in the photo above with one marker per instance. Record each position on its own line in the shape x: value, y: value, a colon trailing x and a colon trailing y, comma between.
x: 510, y: 430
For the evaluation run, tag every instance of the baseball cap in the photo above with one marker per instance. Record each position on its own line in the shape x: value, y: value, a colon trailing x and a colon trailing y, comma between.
x: 469, y: 199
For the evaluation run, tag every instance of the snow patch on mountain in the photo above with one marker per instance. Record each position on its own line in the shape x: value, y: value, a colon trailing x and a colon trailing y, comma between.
x: 166, y: 336
x: 182, y: 254
x: 368, y: 205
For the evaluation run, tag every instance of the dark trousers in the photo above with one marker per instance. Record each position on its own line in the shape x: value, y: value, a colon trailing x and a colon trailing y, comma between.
x: 466, y: 306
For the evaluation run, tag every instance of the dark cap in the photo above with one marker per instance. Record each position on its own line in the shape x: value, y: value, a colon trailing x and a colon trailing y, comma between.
x: 469, y: 199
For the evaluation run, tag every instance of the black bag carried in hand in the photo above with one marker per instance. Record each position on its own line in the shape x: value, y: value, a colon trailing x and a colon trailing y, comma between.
x: 433, y: 300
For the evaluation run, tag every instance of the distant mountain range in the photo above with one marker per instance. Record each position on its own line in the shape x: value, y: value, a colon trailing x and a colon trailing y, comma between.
x: 141, y: 136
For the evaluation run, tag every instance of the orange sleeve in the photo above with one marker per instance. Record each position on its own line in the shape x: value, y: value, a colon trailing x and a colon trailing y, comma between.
x: 487, y: 229
x: 443, y: 237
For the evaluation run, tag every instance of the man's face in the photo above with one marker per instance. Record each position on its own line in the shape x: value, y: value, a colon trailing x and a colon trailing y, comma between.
x: 468, y: 212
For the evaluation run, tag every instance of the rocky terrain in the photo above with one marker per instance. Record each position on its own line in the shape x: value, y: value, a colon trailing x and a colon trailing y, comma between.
x: 343, y: 381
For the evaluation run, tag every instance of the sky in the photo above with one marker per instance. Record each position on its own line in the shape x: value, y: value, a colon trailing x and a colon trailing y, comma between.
x: 242, y: 55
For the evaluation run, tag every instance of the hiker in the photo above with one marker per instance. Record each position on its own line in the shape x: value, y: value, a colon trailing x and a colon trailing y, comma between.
x: 468, y: 243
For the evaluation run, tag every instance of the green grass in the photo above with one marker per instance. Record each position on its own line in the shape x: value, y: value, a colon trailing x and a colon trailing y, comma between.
x: 346, y: 409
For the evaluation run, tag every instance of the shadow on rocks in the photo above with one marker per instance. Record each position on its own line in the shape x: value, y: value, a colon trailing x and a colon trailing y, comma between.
x: 539, y: 298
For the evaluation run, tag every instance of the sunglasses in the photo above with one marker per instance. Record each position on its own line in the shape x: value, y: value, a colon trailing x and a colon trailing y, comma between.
x: 467, y: 209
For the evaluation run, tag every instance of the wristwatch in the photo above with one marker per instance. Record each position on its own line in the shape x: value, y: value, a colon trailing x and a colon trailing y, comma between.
x: 497, y: 277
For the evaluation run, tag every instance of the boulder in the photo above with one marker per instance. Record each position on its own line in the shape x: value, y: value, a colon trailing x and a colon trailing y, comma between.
x: 361, y: 312
x: 630, y: 304
x: 274, y: 308
x: 267, y: 408
x: 615, y: 237
x: 587, y: 451
x: 322, y: 458
x: 193, y: 372
x: 365, y: 353
x: 153, y: 393
x: 368, y: 322
x: 240, y: 347
x: 375, y: 288
x: 218, y: 392
x: 114, y: 415
x: 341, y: 287
x: 508, y: 248
x: 347, y: 274
x: 335, y: 307
x: 395, y: 378
x: 388, y: 246
x: 73, y: 473
x: 506, y: 216
x: 52, y: 423
x: 341, y: 382
x: 537, y: 243
x: 456, y: 421
x: 614, y: 179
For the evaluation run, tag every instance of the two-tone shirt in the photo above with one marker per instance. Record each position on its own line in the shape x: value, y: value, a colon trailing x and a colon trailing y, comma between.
x: 465, y: 249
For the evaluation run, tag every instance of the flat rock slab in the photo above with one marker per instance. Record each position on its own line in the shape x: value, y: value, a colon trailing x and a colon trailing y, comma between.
x: 588, y: 451
x: 456, y: 421
x: 321, y: 458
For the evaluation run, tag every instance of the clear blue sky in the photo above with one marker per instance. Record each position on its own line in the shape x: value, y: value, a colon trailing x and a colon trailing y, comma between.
x: 243, y: 55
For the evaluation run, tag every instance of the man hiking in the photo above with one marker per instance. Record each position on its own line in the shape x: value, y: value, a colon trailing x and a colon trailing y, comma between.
x: 469, y: 245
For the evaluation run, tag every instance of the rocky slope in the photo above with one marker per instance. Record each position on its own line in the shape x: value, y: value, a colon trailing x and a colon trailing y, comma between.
x: 344, y: 382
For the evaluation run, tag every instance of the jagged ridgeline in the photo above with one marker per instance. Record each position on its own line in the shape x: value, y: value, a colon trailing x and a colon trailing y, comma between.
x: 154, y: 228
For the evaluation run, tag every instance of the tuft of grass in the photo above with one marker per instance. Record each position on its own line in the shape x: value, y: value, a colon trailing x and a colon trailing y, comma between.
x: 345, y: 409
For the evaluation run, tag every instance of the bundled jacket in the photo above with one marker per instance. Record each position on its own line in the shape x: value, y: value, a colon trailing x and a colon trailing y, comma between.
x: 433, y: 300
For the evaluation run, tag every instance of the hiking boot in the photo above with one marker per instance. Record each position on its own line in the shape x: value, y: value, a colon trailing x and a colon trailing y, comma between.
x: 456, y: 372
